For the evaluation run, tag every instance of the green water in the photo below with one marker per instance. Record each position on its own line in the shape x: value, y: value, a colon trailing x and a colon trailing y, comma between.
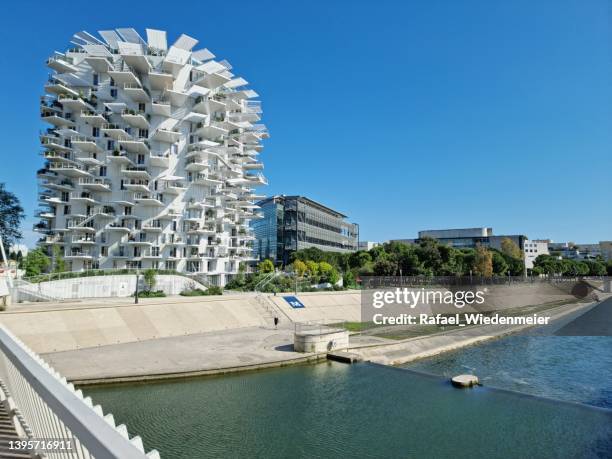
x: 364, y: 410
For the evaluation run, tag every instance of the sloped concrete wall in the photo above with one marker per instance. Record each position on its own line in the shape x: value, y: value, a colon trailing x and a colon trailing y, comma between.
x: 65, y: 329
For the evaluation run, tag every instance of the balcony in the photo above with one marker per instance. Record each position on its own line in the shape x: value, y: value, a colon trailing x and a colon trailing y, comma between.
x: 149, y: 200
x: 68, y: 170
x: 210, y: 131
x: 206, y: 179
x: 93, y: 118
x: 195, y: 165
x: 55, y: 86
x: 136, y: 92
x: 135, y: 145
x: 174, y: 188
x: 76, y: 254
x: 121, y: 158
x: 161, y: 108
x: 120, y: 227
x: 95, y: 184
x: 74, y: 103
x: 83, y: 197
x: 56, y: 119
x: 125, y: 77
x: 166, y: 135
x: 63, y: 185
x: 136, y: 172
x: 137, y: 185
x: 135, y: 118
x: 87, y: 144
x: 54, y: 143
x: 136, y: 60
x: 83, y: 239
x: 154, y: 226
x: 159, y: 159
x: 212, y: 81
x: 115, y: 131
x: 61, y: 64
x: 160, y: 80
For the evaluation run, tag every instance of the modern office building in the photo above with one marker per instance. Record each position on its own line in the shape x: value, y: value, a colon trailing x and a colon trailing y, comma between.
x: 151, y: 157
x: 293, y: 223
x: 467, y: 238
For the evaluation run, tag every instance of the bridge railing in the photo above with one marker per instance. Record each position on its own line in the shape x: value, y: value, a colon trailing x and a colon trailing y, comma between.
x: 53, y: 409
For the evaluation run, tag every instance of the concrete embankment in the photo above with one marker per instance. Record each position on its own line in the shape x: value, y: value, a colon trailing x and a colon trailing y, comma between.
x: 427, y: 346
x: 114, y: 338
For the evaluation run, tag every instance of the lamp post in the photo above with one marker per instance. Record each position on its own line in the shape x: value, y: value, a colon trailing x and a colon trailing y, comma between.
x: 137, y: 281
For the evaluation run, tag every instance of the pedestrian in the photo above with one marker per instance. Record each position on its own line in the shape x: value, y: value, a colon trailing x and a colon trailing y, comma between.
x: 275, y: 322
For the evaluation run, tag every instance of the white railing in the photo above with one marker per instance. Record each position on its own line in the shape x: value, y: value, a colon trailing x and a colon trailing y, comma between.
x: 51, y: 408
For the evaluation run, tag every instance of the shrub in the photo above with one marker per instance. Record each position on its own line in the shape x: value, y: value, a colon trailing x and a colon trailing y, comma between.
x: 151, y: 294
x: 212, y: 290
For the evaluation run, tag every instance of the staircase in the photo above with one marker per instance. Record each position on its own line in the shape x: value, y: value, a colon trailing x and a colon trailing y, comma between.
x: 26, y: 289
x: 8, y: 434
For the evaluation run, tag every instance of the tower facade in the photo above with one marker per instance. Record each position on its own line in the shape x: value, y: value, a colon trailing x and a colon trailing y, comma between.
x: 151, y: 157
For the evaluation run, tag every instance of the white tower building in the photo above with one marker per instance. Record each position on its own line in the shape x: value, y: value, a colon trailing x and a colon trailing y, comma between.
x: 151, y: 159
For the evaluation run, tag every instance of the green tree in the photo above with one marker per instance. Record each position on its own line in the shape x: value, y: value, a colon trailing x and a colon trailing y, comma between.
x: 483, y: 263
x: 35, y: 262
x: 511, y: 249
x: 312, y: 268
x: 300, y: 268
x: 499, y: 263
x: 596, y: 268
x: 266, y: 266
x: 11, y: 214
x: 328, y: 273
x: 59, y: 265
x: 150, y: 278
x: 384, y: 267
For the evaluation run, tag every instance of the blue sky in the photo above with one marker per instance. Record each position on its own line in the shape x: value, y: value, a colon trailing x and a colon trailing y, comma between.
x: 405, y: 115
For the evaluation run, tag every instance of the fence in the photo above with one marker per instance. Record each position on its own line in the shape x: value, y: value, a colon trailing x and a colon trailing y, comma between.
x: 52, y: 409
x: 421, y: 281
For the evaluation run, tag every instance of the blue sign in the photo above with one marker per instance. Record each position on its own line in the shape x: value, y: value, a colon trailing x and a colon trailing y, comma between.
x: 293, y: 302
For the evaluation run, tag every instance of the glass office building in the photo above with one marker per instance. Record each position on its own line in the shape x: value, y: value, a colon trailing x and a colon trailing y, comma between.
x: 293, y: 223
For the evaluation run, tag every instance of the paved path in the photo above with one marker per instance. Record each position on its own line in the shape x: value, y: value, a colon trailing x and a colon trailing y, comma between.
x: 204, y: 353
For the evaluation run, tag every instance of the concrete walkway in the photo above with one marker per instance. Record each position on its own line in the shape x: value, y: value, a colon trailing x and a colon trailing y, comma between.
x: 191, y: 355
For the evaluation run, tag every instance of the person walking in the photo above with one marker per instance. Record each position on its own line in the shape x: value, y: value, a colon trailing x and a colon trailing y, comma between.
x: 275, y: 322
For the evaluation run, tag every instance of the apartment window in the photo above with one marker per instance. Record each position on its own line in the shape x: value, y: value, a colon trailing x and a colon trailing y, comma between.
x: 121, y: 187
x: 171, y: 265
x: 66, y: 210
x: 143, y: 133
x: 104, y: 251
x: 174, y: 149
x: 102, y: 171
x: 155, y: 265
x: 127, y: 210
x: 174, y: 225
x: 128, y: 130
x: 155, y: 251
x: 136, y: 251
x: 110, y: 144
x: 141, y: 107
x: 65, y: 196
x: 112, y: 82
x: 113, y: 92
x: 95, y: 131
x: 140, y: 159
x: 96, y: 79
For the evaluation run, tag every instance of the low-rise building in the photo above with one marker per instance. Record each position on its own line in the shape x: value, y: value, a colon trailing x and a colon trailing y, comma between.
x: 292, y: 223
x: 367, y: 245
x: 467, y: 238
x: 534, y: 248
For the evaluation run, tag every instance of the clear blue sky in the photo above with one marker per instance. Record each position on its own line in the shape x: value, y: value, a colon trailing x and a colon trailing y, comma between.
x: 405, y: 115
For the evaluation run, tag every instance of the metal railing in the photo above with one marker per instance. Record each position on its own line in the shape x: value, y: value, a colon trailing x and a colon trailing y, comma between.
x: 51, y: 408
